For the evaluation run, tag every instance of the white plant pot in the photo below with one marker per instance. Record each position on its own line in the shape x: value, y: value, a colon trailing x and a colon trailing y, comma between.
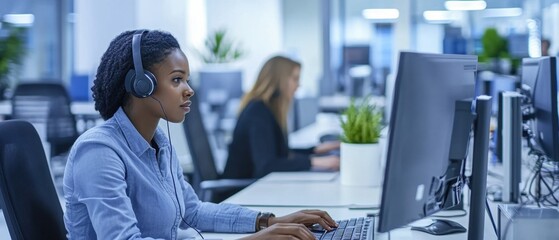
x: 360, y: 164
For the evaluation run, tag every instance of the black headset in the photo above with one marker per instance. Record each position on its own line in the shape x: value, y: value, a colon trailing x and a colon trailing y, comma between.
x: 140, y: 82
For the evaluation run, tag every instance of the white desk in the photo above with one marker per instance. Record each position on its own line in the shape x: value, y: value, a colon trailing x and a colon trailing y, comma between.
x: 284, y: 197
x: 307, y: 193
x: 342, y: 213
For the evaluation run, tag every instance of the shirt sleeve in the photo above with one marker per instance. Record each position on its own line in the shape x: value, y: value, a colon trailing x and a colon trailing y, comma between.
x: 103, y: 191
x: 263, y: 146
x: 211, y: 217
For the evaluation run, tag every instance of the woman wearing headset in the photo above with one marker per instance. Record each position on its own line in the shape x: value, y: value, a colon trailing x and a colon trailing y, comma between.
x: 123, y: 179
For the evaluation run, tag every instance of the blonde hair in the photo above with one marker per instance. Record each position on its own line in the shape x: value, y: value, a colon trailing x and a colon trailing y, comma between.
x: 271, y: 87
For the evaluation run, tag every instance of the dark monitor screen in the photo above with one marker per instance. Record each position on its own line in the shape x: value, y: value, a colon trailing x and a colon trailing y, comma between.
x: 357, y: 55
x: 422, y: 139
x: 539, y: 75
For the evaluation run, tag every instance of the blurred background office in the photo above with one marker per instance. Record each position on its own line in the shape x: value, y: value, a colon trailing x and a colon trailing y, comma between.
x: 348, y: 48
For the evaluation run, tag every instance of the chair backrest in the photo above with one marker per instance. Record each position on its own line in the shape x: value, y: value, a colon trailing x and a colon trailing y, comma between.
x: 30, y: 204
x: 199, y: 143
x: 47, y: 103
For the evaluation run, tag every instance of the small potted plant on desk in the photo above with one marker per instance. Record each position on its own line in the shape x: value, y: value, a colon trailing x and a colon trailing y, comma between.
x: 360, y: 153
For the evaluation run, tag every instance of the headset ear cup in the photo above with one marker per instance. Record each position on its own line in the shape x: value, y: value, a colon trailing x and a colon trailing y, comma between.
x: 152, y: 79
x: 129, y: 80
x: 144, y: 86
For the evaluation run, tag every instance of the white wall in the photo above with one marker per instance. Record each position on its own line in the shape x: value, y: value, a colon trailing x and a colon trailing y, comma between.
x: 302, y: 39
x: 430, y: 38
x: 97, y: 23
x: 166, y: 15
x: 256, y: 24
x: 550, y: 24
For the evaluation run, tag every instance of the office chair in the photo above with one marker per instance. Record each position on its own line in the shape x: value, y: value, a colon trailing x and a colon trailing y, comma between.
x: 210, y: 186
x: 47, y: 103
x: 30, y: 203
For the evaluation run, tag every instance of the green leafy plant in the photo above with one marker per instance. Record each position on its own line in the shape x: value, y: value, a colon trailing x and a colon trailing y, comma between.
x: 494, y: 46
x: 219, y: 49
x: 11, y: 51
x: 361, y: 123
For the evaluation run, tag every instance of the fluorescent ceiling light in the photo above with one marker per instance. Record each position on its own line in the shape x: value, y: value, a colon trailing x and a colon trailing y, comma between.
x: 23, y: 20
x: 465, y: 5
x: 437, y: 16
x: 381, y: 13
x: 502, y: 12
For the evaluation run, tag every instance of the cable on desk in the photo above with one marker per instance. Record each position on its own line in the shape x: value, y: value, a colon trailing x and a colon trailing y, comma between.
x: 543, y: 169
x: 491, y: 218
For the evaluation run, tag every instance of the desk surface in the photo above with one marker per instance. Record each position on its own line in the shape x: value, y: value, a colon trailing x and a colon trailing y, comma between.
x: 284, y: 193
x: 315, y: 191
x: 403, y: 233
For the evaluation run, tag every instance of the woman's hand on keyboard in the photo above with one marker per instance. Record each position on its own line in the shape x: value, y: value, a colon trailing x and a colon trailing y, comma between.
x: 281, y: 231
x: 331, y: 162
x: 327, y: 147
x: 308, y: 218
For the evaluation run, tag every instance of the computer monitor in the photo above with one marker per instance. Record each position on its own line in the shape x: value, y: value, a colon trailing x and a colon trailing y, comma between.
x: 429, y: 132
x: 356, y: 55
x: 539, y: 75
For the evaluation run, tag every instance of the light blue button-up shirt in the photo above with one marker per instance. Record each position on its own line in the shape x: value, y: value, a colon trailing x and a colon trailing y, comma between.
x: 117, y: 188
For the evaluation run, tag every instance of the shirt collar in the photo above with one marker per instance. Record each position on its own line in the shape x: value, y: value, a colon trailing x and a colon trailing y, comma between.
x: 135, y: 141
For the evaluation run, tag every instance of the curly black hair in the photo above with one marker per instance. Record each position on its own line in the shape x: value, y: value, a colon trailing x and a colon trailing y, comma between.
x: 108, y: 88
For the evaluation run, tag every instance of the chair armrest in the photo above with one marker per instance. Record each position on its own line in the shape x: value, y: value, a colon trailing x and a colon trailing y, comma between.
x: 225, y: 184
x: 209, y: 187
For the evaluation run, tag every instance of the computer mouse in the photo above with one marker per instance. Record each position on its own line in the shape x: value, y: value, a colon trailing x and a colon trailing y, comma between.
x: 441, y: 227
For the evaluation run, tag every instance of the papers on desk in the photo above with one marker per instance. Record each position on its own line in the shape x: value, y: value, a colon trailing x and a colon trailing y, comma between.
x: 300, y: 177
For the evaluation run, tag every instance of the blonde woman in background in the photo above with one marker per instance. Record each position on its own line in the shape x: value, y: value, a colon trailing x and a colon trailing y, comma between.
x: 259, y: 145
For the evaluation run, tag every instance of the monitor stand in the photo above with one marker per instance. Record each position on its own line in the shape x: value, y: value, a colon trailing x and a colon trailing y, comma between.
x: 479, y: 168
x: 478, y: 180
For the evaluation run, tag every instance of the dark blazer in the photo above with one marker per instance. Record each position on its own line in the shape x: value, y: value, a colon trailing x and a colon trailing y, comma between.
x: 259, y: 146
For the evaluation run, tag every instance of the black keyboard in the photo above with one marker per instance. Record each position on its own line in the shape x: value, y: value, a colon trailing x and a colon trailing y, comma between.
x: 349, y: 229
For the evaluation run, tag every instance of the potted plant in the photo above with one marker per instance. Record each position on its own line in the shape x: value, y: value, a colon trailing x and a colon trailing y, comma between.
x: 11, y: 53
x: 360, y: 153
x: 495, y: 53
x: 219, y: 79
x: 220, y: 49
